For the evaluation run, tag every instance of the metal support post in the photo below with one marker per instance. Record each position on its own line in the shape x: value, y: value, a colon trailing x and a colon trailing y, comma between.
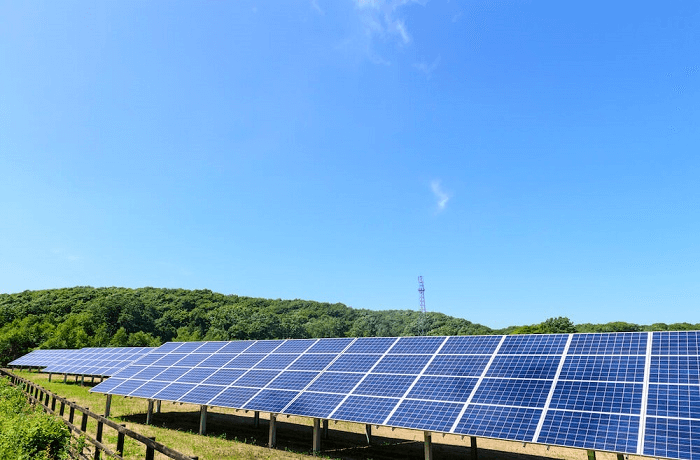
x: 149, y: 414
x: 82, y: 380
x: 272, y: 441
x: 620, y: 456
x: 65, y: 378
x: 591, y: 454
x: 325, y: 428
x: 108, y: 405
x: 317, y: 436
x: 428, y: 445
x: 49, y: 376
x: 256, y: 419
x: 368, y: 433
x: 475, y: 452
x: 203, y: 420
x: 158, y: 406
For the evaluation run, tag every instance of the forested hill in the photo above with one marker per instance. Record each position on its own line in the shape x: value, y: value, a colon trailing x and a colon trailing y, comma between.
x: 97, y: 317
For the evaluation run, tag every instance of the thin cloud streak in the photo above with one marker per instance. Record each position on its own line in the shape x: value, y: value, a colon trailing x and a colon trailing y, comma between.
x: 441, y: 196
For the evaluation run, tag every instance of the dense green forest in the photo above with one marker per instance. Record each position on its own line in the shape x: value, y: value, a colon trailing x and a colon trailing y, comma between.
x: 97, y: 317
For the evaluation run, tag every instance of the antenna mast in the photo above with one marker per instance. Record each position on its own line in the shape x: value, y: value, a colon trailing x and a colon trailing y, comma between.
x: 421, y: 292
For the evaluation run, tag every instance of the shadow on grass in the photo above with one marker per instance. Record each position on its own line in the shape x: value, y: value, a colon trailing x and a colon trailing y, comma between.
x: 297, y: 438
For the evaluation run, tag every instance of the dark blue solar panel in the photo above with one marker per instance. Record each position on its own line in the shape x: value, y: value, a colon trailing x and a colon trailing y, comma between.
x: 525, y: 366
x: 264, y: 346
x: 245, y: 361
x: 271, y: 400
x: 401, y: 364
x: 169, y: 360
x: 675, y: 369
x: 621, y: 398
x: 108, y: 385
x: 674, y: 401
x: 471, y: 345
x: 464, y: 366
x: 426, y: 415
x: 611, y: 432
x: 217, y: 360
x: 609, y: 344
x: 371, y: 345
x: 256, y: 378
x: 417, y: 345
x: 236, y: 347
x: 384, y: 385
x: 192, y: 360
x: 168, y: 347
x: 513, y: 392
x: 292, y: 380
x: 676, y: 343
x: 174, y: 391
x: 127, y: 387
x: 295, y: 346
x: 171, y: 374
x: 435, y: 388
x: 188, y: 347
x: 211, y: 347
x: 514, y: 423
x: 149, y: 372
x: 148, y: 389
x: 607, y: 368
x: 149, y: 358
x: 202, y: 394
x: 330, y: 346
x: 234, y: 397
x: 224, y: 376
x: 312, y: 362
x: 276, y: 361
x: 197, y: 375
x: 314, y: 404
x: 672, y: 438
x: 336, y: 382
x: 129, y: 371
x: 365, y: 409
x: 543, y: 344
x: 354, y: 363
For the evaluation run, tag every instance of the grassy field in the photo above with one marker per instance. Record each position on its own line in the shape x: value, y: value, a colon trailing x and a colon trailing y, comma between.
x: 232, y: 435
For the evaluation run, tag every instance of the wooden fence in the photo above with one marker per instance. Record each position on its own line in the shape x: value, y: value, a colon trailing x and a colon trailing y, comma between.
x: 48, y: 401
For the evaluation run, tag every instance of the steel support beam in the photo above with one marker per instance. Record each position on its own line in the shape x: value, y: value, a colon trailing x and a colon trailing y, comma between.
x: 203, y: 420
x: 428, y: 445
x: 272, y: 441
x: 317, y: 436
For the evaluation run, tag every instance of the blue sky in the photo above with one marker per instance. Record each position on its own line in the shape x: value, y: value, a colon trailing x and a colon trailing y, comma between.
x: 529, y: 159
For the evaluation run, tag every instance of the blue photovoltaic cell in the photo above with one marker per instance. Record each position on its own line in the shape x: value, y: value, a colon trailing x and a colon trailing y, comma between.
x: 236, y: 347
x: 234, y: 397
x: 675, y: 369
x: 217, y: 360
x: 202, y: 394
x: 264, y: 346
x: 197, y: 375
x: 256, y: 378
x: 169, y: 360
x: 621, y: 398
x: 330, y: 346
x: 384, y: 385
x: 276, y: 361
x: 681, y: 401
x: 245, y: 361
x: 365, y: 409
x: 174, y: 391
x: 672, y: 438
x: 514, y: 423
x: 608, y: 344
x: 426, y: 415
x: 417, y: 345
x: 43, y: 358
x: 676, y: 343
x: 127, y: 387
x: 471, y: 345
x: 211, y: 347
x: 129, y: 371
x: 224, y: 376
x: 336, y: 382
x: 192, y: 360
x: 311, y: 404
x: 542, y: 344
x: 271, y: 400
x: 611, y: 432
x: 605, y: 368
x: 149, y: 372
x: 168, y: 347
x: 312, y: 362
x: 371, y: 345
x: 401, y: 364
x: 513, y: 392
x: 354, y: 363
x: 188, y: 347
x: 148, y: 389
x: 525, y: 366
x: 295, y: 346
x: 292, y: 380
x: 171, y: 374
x: 463, y: 366
x: 108, y: 385
x: 435, y: 388
x: 149, y: 358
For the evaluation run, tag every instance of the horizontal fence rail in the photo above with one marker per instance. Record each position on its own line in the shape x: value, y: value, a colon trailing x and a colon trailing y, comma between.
x: 48, y: 400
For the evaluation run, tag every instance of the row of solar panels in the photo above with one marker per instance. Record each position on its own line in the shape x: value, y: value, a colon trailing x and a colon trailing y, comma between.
x: 620, y: 392
x: 85, y: 361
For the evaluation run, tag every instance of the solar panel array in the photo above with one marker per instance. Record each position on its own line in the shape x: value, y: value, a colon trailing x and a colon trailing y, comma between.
x: 41, y: 358
x: 97, y: 361
x: 619, y: 392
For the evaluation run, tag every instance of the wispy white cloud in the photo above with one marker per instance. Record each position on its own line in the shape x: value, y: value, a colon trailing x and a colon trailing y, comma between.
x: 441, y: 196
x: 315, y: 6
x: 383, y: 19
x: 427, y: 69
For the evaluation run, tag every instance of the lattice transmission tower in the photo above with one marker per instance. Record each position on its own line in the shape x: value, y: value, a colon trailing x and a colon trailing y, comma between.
x: 421, y: 293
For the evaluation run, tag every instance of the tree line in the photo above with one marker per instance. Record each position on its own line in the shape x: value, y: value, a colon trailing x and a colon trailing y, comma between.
x: 98, y: 317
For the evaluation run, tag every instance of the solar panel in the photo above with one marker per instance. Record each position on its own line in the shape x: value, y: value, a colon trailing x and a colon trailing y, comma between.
x: 634, y: 393
x: 41, y: 358
x: 97, y: 361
